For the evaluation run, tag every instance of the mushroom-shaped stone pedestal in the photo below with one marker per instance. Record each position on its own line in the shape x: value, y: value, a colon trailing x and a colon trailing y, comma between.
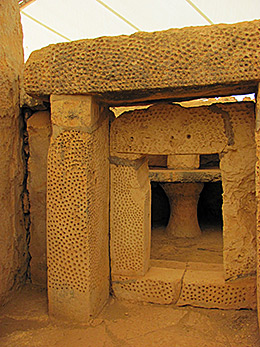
x: 183, y: 198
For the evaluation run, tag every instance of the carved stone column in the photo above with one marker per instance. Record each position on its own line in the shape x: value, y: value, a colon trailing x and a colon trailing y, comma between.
x: 183, y: 198
x: 77, y: 208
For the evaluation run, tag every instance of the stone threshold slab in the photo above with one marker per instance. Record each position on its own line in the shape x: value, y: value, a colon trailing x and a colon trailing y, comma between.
x: 194, y: 284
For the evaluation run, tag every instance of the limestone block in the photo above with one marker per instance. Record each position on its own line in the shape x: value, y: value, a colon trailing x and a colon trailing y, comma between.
x: 74, y: 111
x: 183, y: 161
x: 165, y: 129
x: 39, y: 133
x: 185, y: 176
x: 158, y: 286
x: 13, y: 251
x: 208, y: 289
x: 130, y: 216
x: 237, y: 166
x: 196, y: 284
x: 175, y: 62
x: 257, y: 191
x: 77, y: 219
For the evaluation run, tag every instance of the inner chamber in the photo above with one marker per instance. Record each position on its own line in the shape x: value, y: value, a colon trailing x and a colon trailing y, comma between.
x: 207, y: 245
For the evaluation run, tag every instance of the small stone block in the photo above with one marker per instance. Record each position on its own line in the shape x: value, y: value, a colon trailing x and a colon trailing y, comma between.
x: 183, y: 161
x: 74, y: 111
x: 208, y: 289
x: 158, y: 286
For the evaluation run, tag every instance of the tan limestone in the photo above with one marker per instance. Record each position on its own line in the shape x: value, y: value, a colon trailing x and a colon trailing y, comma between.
x: 39, y: 132
x: 168, y: 129
x: 197, y: 61
x: 183, y: 161
x: 130, y: 215
x: 185, y: 176
x: 237, y: 166
x: 196, y: 284
x: 77, y: 210
x: 257, y: 191
x: 158, y: 285
x: 207, y: 288
x: 183, y: 198
x: 225, y: 129
x: 13, y: 252
x: 175, y: 64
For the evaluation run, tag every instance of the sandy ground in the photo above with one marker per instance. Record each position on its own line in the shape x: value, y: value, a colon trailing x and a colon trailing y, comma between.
x: 207, y: 248
x: 24, y: 322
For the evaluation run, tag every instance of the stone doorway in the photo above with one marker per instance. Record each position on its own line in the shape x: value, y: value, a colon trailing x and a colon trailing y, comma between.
x: 186, y: 139
x: 206, y: 247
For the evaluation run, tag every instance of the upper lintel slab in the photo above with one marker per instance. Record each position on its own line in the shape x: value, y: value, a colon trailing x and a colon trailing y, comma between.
x: 177, y: 63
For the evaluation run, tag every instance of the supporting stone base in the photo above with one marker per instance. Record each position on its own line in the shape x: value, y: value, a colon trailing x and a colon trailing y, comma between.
x: 195, y: 284
x: 183, y: 198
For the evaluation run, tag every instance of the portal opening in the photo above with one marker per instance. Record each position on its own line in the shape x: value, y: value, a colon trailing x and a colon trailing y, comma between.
x: 207, y: 247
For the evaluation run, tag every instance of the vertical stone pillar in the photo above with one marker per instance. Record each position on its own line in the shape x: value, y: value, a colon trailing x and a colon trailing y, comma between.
x: 14, y: 253
x: 257, y: 182
x: 77, y: 208
x: 237, y: 165
x: 130, y: 214
x: 183, y: 198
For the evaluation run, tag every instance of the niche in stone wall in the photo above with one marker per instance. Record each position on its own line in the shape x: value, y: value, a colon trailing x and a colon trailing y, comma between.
x: 186, y: 218
x: 204, y: 219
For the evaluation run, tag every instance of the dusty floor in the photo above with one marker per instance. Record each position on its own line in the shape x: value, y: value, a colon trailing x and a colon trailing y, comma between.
x: 207, y: 248
x: 24, y: 322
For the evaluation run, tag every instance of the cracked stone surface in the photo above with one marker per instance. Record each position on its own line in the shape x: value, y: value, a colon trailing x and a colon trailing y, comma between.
x: 25, y: 322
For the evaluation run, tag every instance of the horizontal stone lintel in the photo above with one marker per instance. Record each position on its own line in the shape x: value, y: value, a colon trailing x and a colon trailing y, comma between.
x: 177, y: 63
x: 185, y: 176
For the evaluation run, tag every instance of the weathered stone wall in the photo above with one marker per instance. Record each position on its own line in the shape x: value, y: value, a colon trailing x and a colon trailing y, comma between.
x: 39, y: 132
x: 13, y: 247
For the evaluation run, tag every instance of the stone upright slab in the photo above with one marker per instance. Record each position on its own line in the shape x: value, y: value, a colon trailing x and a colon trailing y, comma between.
x: 77, y: 209
x: 130, y: 215
x: 257, y: 184
x: 14, y: 255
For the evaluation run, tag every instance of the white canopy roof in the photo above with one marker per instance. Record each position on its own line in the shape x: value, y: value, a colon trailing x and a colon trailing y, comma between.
x: 51, y: 21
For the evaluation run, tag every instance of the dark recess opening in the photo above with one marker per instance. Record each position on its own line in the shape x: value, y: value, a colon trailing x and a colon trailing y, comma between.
x: 160, y: 207
x: 210, y: 205
x: 209, y: 161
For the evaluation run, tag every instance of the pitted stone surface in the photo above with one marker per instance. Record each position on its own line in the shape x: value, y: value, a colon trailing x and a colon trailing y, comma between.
x: 14, y: 255
x: 178, y: 130
x: 140, y: 63
x: 130, y: 216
